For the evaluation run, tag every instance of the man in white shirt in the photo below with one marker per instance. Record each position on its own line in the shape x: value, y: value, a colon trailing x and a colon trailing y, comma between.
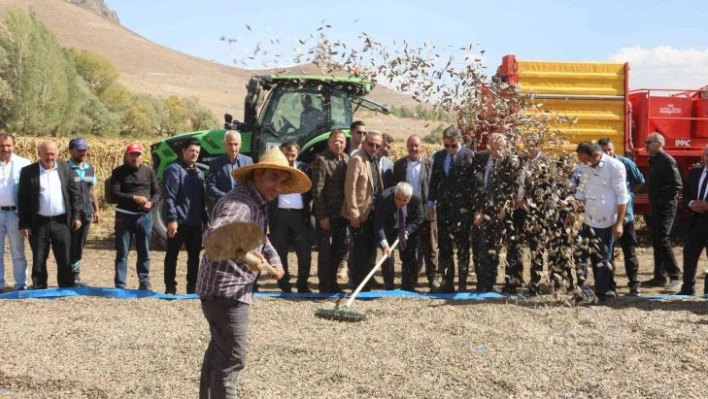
x: 289, y: 218
x: 603, y: 189
x: 48, y: 206
x: 10, y: 166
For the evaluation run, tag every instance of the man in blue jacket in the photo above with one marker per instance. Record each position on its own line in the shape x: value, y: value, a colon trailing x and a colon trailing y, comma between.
x: 186, y: 214
x: 220, y: 181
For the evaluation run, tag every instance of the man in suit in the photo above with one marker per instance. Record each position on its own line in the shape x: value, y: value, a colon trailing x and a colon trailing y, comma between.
x: 362, y: 184
x: 496, y: 174
x: 695, y: 195
x: 49, y: 209
x: 664, y: 184
x: 289, y: 219
x: 398, y: 217
x: 220, y: 180
x: 415, y: 169
x: 385, y: 164
x: 450, y: 198
x: 357, y: 131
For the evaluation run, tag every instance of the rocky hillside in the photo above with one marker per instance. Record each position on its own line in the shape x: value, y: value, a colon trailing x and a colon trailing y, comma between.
x: 99, y: 8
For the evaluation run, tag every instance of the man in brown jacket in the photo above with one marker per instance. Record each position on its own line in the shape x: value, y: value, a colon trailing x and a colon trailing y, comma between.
x: 328, y: 172
x: 363, y: 183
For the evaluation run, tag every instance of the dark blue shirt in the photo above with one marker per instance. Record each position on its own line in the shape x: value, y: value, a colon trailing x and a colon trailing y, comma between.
x: 184, y: 195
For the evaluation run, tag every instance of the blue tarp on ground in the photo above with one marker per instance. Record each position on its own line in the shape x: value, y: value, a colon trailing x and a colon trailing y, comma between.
x: 115, y: 293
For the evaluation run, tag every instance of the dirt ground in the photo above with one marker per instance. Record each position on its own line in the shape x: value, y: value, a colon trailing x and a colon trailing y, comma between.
x: 537, y: 348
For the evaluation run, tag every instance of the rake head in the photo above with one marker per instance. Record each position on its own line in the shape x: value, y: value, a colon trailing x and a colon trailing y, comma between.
x: 343, y: 314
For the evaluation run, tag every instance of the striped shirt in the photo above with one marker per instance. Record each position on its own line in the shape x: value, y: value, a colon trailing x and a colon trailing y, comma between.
x: 232, y: 279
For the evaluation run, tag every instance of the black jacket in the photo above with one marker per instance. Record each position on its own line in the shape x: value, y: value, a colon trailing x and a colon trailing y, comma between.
x: 664, y: 179
x: 126, y: 182
x: 386, y: 216
x: 399, y: 175
x: 306, y: 200
x: 690, y: 191
x: 503, y: 184
x: 453, y: 192
x: 28, y: 194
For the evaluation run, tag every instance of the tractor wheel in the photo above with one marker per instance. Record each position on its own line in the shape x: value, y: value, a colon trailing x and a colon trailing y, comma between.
x: 159, y: 228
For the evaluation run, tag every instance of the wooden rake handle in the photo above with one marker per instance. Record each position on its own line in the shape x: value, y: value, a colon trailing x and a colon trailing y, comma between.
x: 371, y: 274
x: 253, y: 260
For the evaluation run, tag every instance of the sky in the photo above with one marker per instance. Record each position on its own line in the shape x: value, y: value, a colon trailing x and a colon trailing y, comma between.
x: 665, y: 43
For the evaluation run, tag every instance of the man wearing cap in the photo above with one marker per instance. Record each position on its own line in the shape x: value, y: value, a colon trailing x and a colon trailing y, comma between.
x: 136, y: 190
x: 48, y: 209
x: 220, y: 180
x: 225, y: 287
x: 89, y: 212
x: 10, y: 166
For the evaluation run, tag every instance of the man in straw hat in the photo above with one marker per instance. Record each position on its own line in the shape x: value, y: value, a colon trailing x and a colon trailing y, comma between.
x: 225, y: 287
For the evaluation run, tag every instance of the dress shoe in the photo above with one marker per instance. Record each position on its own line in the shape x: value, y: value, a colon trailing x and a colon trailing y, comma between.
x: 634, y: 290
x: 304, y: 289
x: 654, y: 283
x: 145, y: 286
x: 686, y: 292
x: 433, y: 284
x: 287, y: 289
x: 509, y: 289
x: 171, y: 290
x: 610, y: 294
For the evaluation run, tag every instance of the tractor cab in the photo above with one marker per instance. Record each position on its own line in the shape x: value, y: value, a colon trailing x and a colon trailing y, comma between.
x: 300, y: 109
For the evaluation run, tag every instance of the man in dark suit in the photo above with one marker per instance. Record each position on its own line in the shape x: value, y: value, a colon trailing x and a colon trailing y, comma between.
x: 694, y: 197
x: 49, y: 209
x: 399, y: 215
x: 289, y: 218
x: 664, y: 183
x: 220, y: 181
x: 415, y: 169
x: 496, y: 173
x: 450, y: 196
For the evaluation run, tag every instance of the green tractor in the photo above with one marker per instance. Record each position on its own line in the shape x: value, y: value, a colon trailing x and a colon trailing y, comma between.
x: 299, y: 108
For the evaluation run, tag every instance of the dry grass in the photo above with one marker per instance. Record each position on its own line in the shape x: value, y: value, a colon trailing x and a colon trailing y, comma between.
x: 541, y: 348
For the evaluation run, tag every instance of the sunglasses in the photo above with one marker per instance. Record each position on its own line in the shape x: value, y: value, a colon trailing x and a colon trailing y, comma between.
x: 359, y: 132
x: 373, y: 145
x: 452, y: 145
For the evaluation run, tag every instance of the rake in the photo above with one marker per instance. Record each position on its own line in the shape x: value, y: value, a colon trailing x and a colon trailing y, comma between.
x: 345, y: 313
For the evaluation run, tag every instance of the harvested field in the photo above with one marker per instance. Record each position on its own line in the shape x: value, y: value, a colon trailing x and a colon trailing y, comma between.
x: 101, y: 348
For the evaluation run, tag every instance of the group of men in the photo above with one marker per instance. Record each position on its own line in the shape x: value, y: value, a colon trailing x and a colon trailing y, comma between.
x: 51, y: 203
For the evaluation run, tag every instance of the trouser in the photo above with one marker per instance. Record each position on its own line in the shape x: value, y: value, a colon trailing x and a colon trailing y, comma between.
x: 191, y: 237
x: 427, y: 248
x: 515, y: 252
x: 696, y: 241
x: 55, y: 232
x: 661, y: 220
x: 628, y: 242
x: 409, y: 265
x: 225, y: 355
x: 454, y: 232
x: 332, y: 248
x: 9, y: 226
x: 128, y: 226
x: 488, y: 241
x: 597, y: 249
x: 363, y: 251
x: 291, y: 227
x: 78, y: 242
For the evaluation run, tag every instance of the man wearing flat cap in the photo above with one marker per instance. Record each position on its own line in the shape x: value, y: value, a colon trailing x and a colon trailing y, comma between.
x: 89, y: 211
x: 226, y: 287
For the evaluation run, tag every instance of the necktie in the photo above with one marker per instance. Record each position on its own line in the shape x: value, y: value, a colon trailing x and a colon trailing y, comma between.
x: 401, y: 230
x: 702, y: 190
x: 451, y: 165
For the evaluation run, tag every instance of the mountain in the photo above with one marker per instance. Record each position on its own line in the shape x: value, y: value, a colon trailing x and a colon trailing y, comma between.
x: 147, y: 67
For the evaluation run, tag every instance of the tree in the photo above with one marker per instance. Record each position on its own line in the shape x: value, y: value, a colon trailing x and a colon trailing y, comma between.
x: 98, y: 71
x: 200, y: 117
x: 41, y: 75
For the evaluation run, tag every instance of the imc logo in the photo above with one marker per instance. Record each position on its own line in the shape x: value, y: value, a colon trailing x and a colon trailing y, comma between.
x: 683, y: 143
x: 669, y: 109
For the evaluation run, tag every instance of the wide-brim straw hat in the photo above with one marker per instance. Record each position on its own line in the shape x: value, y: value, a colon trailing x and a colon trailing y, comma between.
x: 275, y: 159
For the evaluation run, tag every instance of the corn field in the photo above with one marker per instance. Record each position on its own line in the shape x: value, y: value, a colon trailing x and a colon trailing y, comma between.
x: 104, y: 154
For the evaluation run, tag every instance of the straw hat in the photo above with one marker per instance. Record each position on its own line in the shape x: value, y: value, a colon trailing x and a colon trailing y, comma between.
x: 274, y: 159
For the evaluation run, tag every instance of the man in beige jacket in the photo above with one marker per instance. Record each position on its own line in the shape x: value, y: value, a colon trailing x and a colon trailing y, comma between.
x: 363, y: 183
